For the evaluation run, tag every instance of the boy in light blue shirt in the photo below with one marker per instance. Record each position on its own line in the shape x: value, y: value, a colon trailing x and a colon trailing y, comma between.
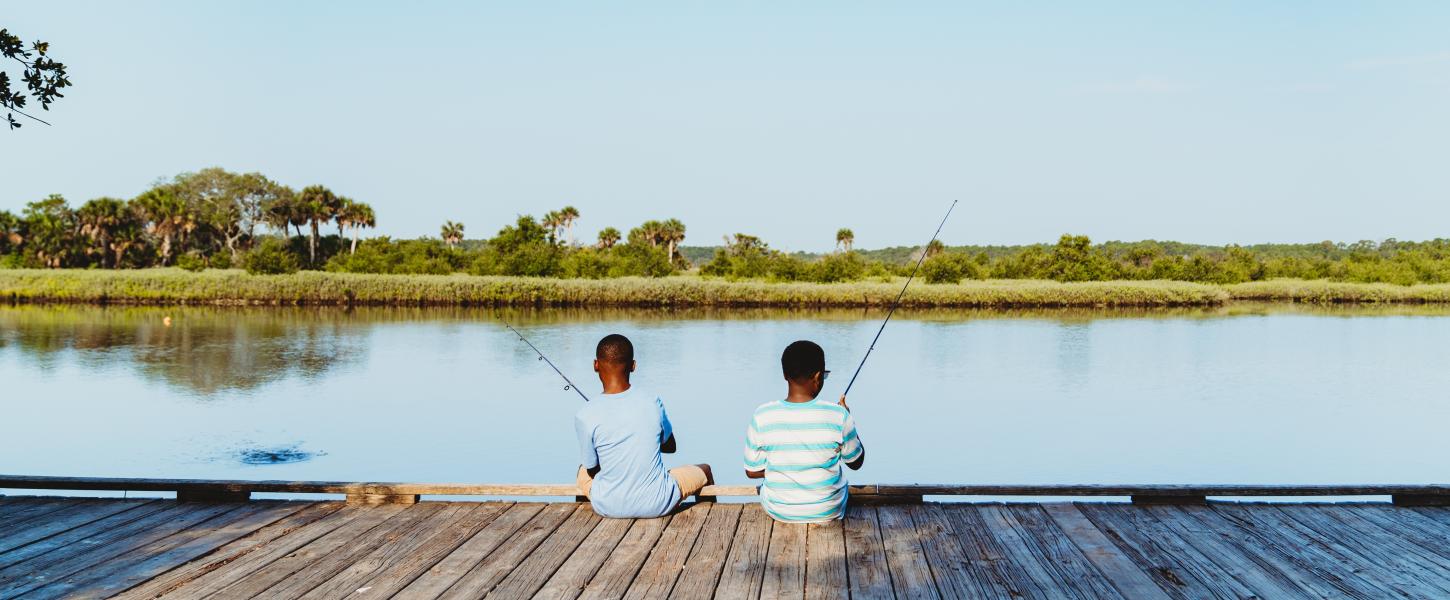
x: 622, y: 433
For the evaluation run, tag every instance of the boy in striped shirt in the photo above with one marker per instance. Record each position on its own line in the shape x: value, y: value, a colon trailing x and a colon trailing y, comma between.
x: 797, y: 444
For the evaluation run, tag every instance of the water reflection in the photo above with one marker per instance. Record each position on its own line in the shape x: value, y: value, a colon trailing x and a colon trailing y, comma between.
x: 204, y: 351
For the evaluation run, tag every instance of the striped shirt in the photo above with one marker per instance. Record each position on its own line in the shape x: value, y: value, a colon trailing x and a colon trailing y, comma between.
x: 800, y: 446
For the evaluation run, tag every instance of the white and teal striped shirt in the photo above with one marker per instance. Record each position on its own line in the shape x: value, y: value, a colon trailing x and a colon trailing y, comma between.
x: 800, y: 446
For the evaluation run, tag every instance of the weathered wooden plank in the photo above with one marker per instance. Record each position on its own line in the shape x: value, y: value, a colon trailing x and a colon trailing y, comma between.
x: 1368, y: 569
x: 259, y: 576
x: 64, y: 520
x: 1404, y: 548
x: 1232, y: 560
x: 22, y: 509
x: 446, y: 572
x: 988, y: 561
x: 657, y: 576
x: 1370, y: 546
x: 866, y: 554
x: 114, y: 576
x: 569, y: 580
x: 351, y: 581
x: 1408, y: 524
x: 826, y: 576
x: 1125, y: 575
x: 617, y: 573
x: 323, y: 568
x: 1057, y: 554
x: 785, y: 563
x: 531, y: 574
x: 26, y: 514
x: 1029, y: 570
x: 1160, y: 553
x: 950, y: 566
x: 477, y: 582
x: 1256, y: 549
x: 390, y: 579
x: 55, y: 542
x: 910, y: 574
x: 93, y: 550
x: 230, y: 553
x: 745, y: 564
x: 702, y: 569
x: 1308, y: 554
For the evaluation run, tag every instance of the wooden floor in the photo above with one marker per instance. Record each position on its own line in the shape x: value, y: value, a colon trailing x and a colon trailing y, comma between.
x: 93, y: 548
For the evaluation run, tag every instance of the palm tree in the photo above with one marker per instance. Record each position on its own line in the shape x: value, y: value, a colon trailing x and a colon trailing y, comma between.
x: 452, y: 233
x: 168, y: 217
x: 356, y: 215
x: 567, y: 216
x: 844, y: 238
x: 553, y: 221
x: 51, y: 226
x: 608, y: 237
x: 129, y: 233
x: 11, y: 235
x: 98, y: 220
x: 648, y: 231
x: 319, y: 205
x: 935, y: 248
x: 671, y: 233
x: 283, y: 212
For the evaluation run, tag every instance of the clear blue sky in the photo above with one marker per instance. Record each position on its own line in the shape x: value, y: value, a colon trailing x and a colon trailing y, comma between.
x: 1209, y: 122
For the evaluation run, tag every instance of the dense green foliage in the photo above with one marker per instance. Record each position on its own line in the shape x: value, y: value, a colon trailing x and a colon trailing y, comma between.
x: 213, y: 219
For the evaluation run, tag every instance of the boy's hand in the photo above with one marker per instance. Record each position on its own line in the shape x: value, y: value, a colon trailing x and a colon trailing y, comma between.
x: 843, y: 403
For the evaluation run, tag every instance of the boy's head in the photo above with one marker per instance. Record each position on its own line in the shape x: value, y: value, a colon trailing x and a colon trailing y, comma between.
x: 614, y: 357
x: 804, y: 365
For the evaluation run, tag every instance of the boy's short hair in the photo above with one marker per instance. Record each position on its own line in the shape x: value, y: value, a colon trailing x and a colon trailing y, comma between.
x: 614, y: 348
x: 802, y: 359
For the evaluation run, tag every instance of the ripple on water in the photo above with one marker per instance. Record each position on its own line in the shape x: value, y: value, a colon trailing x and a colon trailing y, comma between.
x: 276, y: 455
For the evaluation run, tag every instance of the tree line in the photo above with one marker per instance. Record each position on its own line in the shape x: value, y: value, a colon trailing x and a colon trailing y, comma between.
x: 207, y: 218
x: 214, y: 218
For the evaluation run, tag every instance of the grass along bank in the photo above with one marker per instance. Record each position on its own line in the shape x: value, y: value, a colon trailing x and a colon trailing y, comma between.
x: 235, y: 287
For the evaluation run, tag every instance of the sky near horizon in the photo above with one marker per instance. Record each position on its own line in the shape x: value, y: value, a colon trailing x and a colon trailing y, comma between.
x: 1210, y: 122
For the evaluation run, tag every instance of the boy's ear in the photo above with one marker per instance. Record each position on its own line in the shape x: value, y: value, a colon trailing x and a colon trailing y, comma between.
x: 596, y: 365
x: 631, y: 366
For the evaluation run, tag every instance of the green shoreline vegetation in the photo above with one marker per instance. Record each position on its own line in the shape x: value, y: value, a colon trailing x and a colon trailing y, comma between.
x: 236, y: 287
x: 214, y: 236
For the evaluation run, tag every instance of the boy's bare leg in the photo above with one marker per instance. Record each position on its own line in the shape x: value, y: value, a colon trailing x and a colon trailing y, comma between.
x: 692, y: 479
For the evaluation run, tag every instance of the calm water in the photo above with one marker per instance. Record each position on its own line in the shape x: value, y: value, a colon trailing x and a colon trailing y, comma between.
x: 1244, y: 394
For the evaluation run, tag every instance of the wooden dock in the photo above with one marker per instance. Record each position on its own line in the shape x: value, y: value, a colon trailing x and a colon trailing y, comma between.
x: 59, y: 547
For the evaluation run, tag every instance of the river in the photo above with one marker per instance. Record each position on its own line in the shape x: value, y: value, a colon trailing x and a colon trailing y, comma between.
x: 1236, y: 394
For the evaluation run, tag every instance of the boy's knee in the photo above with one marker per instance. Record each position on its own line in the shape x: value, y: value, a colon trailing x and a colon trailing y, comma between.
x: 709, y: 475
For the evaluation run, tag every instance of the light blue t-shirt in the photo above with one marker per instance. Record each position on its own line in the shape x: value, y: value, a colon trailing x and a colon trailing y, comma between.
x: 621, y: 434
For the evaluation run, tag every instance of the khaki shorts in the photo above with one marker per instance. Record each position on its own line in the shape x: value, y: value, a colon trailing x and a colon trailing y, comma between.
x: 690, y: 478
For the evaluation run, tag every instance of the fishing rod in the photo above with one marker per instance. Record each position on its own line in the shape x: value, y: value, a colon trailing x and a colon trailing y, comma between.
x: 569, y: 384
x: 897, y: 302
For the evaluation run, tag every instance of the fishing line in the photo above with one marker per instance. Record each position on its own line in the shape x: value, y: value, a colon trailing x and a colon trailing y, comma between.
x: 569, y: 385
x: 897, y: 303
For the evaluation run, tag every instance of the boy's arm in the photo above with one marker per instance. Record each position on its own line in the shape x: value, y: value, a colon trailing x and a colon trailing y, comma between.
x: 754, y: 453
x: 852, y: 450
x: 667, y: 431
x: 588, y: 455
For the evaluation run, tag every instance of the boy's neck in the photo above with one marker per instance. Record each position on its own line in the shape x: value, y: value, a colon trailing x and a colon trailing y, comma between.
x: 799, y: 395
x: 616, y: 387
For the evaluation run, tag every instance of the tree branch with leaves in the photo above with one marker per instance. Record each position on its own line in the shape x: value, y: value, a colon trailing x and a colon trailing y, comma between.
x: 44, y: 77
